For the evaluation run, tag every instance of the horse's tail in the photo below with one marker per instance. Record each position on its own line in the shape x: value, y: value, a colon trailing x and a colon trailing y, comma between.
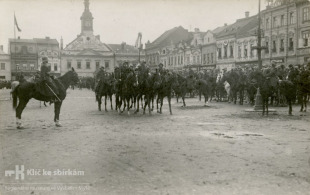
x: 15, y: 95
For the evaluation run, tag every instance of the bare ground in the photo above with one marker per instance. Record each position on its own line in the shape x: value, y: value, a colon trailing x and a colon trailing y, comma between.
x: 219, y: 149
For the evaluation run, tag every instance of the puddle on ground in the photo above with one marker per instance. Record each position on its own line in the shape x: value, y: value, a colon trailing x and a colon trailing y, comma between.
x: 229, y: 135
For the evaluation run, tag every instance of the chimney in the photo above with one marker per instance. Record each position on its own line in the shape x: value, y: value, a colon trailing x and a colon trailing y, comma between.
x: 123, y: 45
x: 61, y: 43
x: 225, y: 24
x: 1, y: 47
x: 98, y: 37
x: 197, y: 30
x: 247, y: 14
x: 47, y: 38
x: 18, y: 37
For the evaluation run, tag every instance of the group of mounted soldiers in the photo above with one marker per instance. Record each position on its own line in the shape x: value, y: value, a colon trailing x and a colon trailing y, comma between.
x: 132, y: 84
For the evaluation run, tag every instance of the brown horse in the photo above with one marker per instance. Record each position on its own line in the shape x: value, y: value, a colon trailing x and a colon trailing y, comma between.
x: 27, y: 90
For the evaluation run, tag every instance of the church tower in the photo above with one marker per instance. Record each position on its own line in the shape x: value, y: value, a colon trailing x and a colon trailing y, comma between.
x: 86, y: 20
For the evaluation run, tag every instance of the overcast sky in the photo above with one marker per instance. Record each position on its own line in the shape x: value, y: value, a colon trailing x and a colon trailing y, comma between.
x: 117, y: 20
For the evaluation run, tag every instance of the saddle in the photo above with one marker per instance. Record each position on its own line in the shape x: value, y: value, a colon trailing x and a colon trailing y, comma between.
x: 47, y: 87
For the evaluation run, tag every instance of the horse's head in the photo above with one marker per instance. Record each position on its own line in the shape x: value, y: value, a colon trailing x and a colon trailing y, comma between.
x: 74, y: 76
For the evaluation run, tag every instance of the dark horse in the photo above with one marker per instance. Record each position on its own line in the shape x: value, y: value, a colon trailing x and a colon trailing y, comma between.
x: 27, y: 90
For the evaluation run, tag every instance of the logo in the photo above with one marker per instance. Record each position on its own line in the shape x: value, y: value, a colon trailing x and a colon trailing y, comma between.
x: 19, y: 172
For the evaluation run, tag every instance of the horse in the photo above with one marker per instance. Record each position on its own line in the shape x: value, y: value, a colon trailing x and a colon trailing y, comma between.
x: 288, y: 89
x: 27, y: 90
x: 185, y: 85
x: 106, y: 86
x: 128, y: 90
x: 204, y: 88
x: 165, y: 90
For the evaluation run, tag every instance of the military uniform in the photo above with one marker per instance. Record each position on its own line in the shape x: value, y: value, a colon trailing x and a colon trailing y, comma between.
x: 46, y: 85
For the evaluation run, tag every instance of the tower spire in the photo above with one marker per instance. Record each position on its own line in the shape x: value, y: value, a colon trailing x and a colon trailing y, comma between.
x: 86, y: 4
x: 86, y: 20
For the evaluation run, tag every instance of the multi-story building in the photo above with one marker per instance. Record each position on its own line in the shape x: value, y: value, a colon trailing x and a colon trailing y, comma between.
x: 49, y: 48
x: 87, y: 53
x: 303, y: 33
x: 24, y: 57
x: 127, y: 53
x: 226, y: 41
x: 166, y: 48
x: 209, y: 49
x: 5, y: 65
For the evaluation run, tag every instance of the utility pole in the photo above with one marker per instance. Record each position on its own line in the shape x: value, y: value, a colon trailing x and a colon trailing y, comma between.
x: 259, y: 46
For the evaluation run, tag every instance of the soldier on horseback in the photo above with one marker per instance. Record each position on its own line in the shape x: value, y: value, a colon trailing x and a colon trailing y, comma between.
x: 46, y: 84
x: 100, y: 75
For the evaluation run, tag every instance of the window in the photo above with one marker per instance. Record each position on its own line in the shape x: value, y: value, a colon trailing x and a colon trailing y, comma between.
x: 87, y: 65
x: 245, y: 52
x: 305, y: 14
x: 274, y: 46
x: 55, y: 66
x: 267, y: 47
x: 239, y: 51
x: 97, y: 65
x: 305, y: 36
x: 282, y: 45
x: 194, y: 59
x: 231, y: 51
x: 208, y: 59
x: 267, y: 23
x: 212, y: 58
x: 17, y: 67
x: 2, y: 66
x: 291, y: 44
x: 204, y: 58
x: 31, y: 66
x: 282, y: 20
x: 292, y: 18
x: 251, y: 51
x: 79, y: 65
x: 274, y: 23
x: 225, y: 51
x: 219, y: 52
x: 107, y: 64
x: 68, y: 65
x: 181, y: 59
x: 25, y: 66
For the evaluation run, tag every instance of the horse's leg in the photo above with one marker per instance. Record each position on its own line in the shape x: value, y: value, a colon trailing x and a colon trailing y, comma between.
x: 128, y: 107
x: 169, y: 102
x: 105, y: 102
x: 290, y: 107
x: 157, y: 100
x: 111, y: 101
x: 161, y: 103
x: 183, y: 98
x: 138, y: 99
x: 267, y: 107
x: 99, y: 102
x: 199, y: 95
x: 19, y: 110
x: 57, y: 107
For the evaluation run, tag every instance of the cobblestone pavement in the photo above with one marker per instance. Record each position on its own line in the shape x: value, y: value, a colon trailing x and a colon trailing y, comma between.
x: 219, y: 149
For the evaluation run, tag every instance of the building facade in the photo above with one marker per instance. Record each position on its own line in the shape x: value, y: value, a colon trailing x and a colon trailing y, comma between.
x: 5, y: 65
x: 303, y: 33
x: 87, y: 53
x: 24, y: 57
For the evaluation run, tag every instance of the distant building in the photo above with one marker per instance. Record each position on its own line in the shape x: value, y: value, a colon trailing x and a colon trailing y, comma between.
x: 166, y: 48
x: 24, y: 57
x: 49, y: 48
x: 87, y: 53
x: 126, y: 53
x: 303, y: 34
x: 5, y: 65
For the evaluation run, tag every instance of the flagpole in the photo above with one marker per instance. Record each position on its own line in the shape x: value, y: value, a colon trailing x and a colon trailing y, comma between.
x: 15, y: 47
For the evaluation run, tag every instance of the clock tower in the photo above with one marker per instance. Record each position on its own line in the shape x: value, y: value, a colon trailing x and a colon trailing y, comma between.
x: 87, y: 20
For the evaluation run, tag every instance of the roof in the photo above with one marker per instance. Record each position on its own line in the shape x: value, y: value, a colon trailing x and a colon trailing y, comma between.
x: 123, y: 48
x: 236, y: 27
x: 22, y: 40
x: 175, y: 34
x: 249, y: 29
x: 83, y: 42
x: 46, y: 41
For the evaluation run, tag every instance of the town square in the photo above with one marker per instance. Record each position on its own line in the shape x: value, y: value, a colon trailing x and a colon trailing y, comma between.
x: 218, y: 107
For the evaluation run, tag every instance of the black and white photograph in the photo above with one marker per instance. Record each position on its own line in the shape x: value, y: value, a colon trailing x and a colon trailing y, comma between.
x: 154, y: 97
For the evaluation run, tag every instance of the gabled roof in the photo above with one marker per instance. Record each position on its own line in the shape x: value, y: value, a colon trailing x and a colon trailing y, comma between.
x: 46, y: 41
x: 123, y: 48
x: 83, y: 42
x: 174, y: 35
x: 236, y: 27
